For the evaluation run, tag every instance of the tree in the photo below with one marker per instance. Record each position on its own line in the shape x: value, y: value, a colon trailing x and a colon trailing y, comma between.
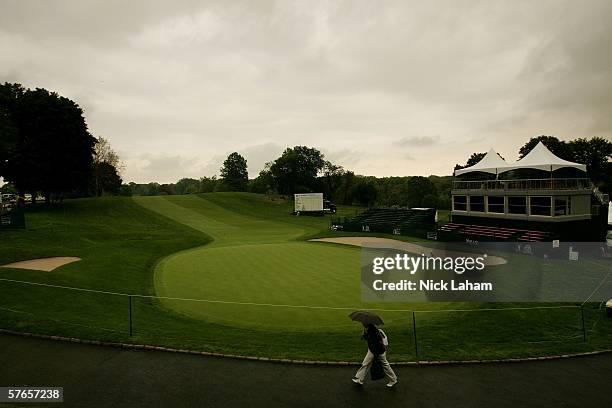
x: 9, y: 94
x: 333, y: 177
x: 53, y: 152
x: 596, y: 153
x: 104, y: 153
x: 296, y: 170
x: 430, y: 201
x: 234, y: 172
x: 365, y: 192
x: 417, y: 188
x: 107, y: 168
x: 264, y: 182
x: 345, y: 191
x: 126, y: 190
x: 208, y: 185
x: 108, y: 179
x: 187, y: 186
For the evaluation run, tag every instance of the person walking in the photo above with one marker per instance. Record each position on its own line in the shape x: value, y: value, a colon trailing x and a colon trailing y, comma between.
x: 377, y: 349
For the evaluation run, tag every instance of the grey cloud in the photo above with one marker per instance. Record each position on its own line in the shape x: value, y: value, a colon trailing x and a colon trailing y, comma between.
x: 416, y: 141
x: 190, y: 81
x: 344, y: 157
x: 163, y: 168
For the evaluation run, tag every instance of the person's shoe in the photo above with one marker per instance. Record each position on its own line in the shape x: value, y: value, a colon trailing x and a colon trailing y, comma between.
x: 391, y: 384
x: 357, y: 381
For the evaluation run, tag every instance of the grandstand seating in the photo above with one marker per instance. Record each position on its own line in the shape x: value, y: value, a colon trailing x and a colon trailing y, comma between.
x: 390, y: 219
x: 497, y: 233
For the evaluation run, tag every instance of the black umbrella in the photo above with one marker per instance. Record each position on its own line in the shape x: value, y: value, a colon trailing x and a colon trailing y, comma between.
x: 366, y: 317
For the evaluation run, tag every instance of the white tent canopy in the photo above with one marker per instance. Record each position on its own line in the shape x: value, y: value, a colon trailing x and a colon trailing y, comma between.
x: 543, y: 159
x: 488, y: 164
x: 539, y: 158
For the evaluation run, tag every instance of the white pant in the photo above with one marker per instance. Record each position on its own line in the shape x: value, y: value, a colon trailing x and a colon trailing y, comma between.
x: 367, y: 363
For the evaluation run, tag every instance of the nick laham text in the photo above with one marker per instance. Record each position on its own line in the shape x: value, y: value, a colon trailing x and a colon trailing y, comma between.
x: 430, y: 285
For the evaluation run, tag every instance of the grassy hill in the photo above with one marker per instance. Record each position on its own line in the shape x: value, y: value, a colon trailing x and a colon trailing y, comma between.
x: 236, y: 250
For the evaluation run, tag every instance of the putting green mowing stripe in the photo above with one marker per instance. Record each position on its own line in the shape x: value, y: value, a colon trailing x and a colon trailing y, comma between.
x: 181, y: 214
x: 226, y: 227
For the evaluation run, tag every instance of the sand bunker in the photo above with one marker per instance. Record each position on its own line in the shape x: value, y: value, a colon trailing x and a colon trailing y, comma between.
x: 43, y: 264
x: 404, y: 246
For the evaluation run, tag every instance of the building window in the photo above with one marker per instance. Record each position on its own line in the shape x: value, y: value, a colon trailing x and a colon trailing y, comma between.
x: 495, y: 204
x: 477, y: 203
x: 517, y: 205
x: 460, y: 203
x: 561, y: 207
x: 540, y: 205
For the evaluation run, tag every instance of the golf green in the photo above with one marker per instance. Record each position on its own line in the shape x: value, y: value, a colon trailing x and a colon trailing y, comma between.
x: 255, y: 273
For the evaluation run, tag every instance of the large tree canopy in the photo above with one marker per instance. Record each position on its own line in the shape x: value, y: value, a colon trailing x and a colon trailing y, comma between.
x: 9, y: 93
x: 234, y: 172
x: 297, y: 169
x: 52, y: 150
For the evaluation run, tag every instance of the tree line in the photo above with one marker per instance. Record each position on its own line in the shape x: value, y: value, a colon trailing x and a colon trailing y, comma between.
x: 304, y: 169
x: 46, y: 148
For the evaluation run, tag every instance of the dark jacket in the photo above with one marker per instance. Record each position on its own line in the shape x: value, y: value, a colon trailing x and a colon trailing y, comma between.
x: 374, y: 338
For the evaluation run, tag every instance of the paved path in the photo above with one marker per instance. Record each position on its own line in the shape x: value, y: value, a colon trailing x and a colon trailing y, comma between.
x: 94, y: 376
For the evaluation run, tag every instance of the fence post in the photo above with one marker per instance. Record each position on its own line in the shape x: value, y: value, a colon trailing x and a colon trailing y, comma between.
x: 583, y: 327
x: 130, y: 300
x: 416, y: 347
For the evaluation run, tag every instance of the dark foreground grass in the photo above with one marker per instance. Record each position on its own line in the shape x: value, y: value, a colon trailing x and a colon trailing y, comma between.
x: 121, y: 243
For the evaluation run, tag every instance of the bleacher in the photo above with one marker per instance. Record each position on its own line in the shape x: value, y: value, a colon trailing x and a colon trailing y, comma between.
x: 418, y: 218
x: 390, y: 220
x: 495, y: 233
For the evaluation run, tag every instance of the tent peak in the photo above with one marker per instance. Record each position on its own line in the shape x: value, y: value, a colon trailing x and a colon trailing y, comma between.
x: 488, y: 164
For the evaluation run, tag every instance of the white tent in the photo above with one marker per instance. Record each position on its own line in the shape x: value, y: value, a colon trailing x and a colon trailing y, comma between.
x: 543, y: 159
x: 488, y: 164
x: 538, y: 158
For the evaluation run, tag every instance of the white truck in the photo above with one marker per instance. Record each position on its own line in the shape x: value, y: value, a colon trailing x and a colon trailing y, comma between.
x: 312, y: 204
x: 308, y: 203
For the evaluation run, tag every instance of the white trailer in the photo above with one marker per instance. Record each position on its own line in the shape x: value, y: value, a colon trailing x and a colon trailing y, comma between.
x: 308, y: 203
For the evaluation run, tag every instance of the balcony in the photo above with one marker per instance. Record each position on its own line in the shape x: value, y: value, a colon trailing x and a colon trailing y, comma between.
x: 525, y: 184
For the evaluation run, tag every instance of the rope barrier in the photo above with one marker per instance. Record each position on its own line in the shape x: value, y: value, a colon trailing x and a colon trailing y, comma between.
x: 228, y: 302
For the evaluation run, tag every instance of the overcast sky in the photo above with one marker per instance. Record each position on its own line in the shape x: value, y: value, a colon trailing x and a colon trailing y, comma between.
x: 382, y: 88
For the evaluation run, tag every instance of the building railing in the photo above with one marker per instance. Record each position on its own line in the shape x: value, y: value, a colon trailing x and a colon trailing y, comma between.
x: 525, y: 184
